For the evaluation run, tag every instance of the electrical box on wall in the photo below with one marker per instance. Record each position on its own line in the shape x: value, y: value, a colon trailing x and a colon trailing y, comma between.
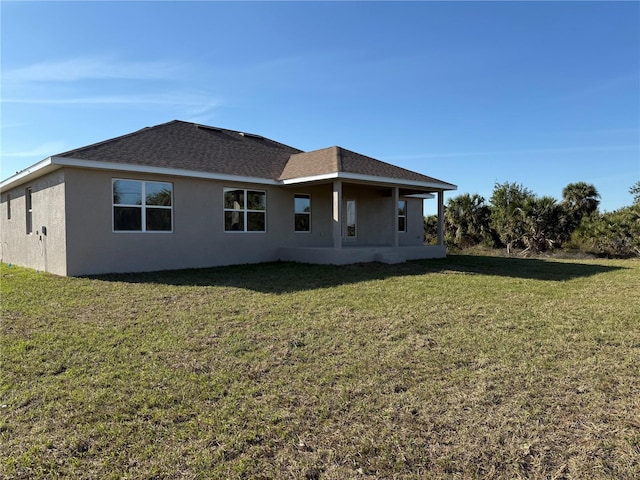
x: 44, y: 230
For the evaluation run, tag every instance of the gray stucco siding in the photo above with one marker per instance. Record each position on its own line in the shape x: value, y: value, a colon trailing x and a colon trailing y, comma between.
x: 76, y: 207
x: 197, y: 240
x: 321, y: 231
x: 377, y: 217
x: 374, y: 215
x: 42, y: 249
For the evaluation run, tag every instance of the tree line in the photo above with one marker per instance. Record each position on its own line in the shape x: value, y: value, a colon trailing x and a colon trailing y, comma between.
x: 516, y: 219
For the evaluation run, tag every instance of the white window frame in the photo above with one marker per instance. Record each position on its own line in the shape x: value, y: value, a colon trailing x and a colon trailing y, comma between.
x: 346, y: 219
x: 406, y: 211
x: 245, y: 210
x: 143, y: 207
x: 295, y: 213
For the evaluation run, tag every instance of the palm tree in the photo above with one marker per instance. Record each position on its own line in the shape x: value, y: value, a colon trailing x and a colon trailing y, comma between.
x: 580, y: 199
x: 468, y: 219
x: 431, y: 229
x: 543, y: 219
x: 507, y: 214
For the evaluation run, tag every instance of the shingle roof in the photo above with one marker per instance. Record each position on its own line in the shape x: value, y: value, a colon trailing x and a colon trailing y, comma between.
x: 188, y: 146
x: 338, y: 159
x: 199, y: 148
x: 307, y: 164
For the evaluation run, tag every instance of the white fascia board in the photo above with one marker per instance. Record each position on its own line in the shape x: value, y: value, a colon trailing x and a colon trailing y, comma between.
x: 369, y: 179
x: 29, y: 173
x: 312, y: 178
x: 52, y: 163
x: 175, y: 172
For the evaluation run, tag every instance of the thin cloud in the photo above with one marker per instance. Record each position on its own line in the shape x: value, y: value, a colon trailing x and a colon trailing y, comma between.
x: 8, y: 125
x: 43, y: 150
x: 87, y: 68
x: 635, y: 131
x: 605, y: 86
x: 199, y: 103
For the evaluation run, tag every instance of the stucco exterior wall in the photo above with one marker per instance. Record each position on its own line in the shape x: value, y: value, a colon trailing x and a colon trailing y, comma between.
x: 43, y: 249
x: 375, y: 221
x: 377, y: 217
x: 82, y: 241
x: 198, y: 238
x: 321, y: 217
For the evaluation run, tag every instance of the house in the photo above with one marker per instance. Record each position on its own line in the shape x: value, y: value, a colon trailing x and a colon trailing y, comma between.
x: 183, y: 195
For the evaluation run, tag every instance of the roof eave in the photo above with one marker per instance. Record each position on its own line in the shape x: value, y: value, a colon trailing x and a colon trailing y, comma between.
x: 53, y: 163
x: 59, y: 162
x: 358, y: 177
x: 28, y: 174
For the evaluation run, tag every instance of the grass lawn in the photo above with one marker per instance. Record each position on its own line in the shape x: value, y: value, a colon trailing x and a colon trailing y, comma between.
x: 466, y: 367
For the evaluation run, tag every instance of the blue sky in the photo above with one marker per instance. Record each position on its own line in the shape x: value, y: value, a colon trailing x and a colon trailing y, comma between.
x: 473, y: 93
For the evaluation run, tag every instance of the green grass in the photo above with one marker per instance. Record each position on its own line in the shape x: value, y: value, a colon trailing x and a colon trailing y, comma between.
x: 466, y: 367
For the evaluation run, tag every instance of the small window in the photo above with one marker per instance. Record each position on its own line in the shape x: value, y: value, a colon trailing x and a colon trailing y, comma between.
x: 245, y: 210
x: 351, y: 219
x: 140, y: 206
x: 8, y: 206
x: 302, y: 213
x: 402, y: 216
x: 29, y: 209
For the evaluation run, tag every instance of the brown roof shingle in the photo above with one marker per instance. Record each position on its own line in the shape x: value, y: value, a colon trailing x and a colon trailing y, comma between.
x: 316, y: 162
x: 199, y: 148
x: 341, y: 160
x: 188, y: 146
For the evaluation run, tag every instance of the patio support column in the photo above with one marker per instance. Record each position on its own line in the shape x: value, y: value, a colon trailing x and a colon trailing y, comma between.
x: 337, y: 214
x: 441, y: 218
x: 394, y: 216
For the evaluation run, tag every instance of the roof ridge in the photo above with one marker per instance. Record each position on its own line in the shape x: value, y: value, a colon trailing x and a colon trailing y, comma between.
x: 243, y: 134
x: 198, y: 125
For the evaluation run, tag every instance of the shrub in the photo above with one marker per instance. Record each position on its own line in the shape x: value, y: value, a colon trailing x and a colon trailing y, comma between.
x: 611, y: 234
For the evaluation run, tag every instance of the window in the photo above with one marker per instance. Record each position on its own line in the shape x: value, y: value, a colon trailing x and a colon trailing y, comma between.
x: 244, y: 210
x: 302, y: 212
x: 140, y: 206
x: 402, y: 216
x: 29, y: 208
x: 8, y: 206
x: 351, y: 219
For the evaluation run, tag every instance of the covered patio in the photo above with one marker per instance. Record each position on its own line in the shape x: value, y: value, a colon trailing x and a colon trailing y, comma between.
x: 373, y: 221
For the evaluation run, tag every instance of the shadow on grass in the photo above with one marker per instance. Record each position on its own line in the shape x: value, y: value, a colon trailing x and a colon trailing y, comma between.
x: 285, y: 277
